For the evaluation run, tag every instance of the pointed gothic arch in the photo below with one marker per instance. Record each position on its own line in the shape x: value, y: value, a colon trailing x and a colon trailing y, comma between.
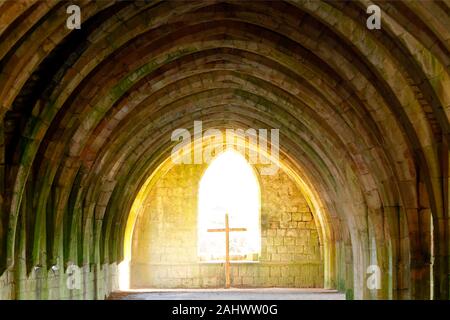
x: 229, y: 185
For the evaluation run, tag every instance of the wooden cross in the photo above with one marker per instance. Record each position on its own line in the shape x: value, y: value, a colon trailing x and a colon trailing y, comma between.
x: 227, y: 231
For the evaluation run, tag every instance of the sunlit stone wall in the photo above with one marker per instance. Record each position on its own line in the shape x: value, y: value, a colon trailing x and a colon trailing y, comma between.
x: 164, y: 252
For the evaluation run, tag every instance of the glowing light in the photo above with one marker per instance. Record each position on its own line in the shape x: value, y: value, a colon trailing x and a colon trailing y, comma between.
x: 124, y: 275
x: 229, y: 185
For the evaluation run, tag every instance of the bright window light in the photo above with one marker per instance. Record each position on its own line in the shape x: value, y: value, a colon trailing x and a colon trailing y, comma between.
x: 229, y: 185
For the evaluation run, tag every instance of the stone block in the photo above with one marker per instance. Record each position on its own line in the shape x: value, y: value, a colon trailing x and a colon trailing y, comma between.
x: 281, y: 249
x: 275, y: 271
x: 288, y: 241
x: 286, y: 257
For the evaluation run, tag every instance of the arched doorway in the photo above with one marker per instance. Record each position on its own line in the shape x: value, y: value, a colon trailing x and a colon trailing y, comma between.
x: 230, y: 187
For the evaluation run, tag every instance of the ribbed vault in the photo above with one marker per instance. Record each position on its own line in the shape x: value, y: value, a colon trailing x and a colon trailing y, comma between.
x: 363, y: 115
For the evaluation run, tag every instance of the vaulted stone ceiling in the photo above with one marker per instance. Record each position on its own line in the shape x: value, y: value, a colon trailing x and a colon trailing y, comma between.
x: 363, y: 116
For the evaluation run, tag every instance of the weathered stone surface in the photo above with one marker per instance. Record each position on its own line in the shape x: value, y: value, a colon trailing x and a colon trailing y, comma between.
x: 87, y: 115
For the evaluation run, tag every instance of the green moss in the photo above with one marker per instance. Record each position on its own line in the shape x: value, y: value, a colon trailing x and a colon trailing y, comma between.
x: 126, y: 83
x: 349, y: 294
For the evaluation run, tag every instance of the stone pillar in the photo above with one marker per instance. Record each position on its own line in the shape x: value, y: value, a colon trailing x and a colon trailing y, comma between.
x: 3, y: 211
x: 441, y: 237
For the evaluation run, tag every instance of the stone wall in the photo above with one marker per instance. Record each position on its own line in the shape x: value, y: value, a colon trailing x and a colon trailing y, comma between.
x: 164, y: 252
x: 93, y: 283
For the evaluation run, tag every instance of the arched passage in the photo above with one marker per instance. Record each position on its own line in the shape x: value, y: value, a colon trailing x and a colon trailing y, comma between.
x: 87, y: 117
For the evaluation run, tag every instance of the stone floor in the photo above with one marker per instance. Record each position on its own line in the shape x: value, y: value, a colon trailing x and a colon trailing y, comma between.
x: 229, y: 294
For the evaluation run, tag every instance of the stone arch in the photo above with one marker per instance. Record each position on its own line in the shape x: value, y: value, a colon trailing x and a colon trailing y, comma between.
x: 364, y: 118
